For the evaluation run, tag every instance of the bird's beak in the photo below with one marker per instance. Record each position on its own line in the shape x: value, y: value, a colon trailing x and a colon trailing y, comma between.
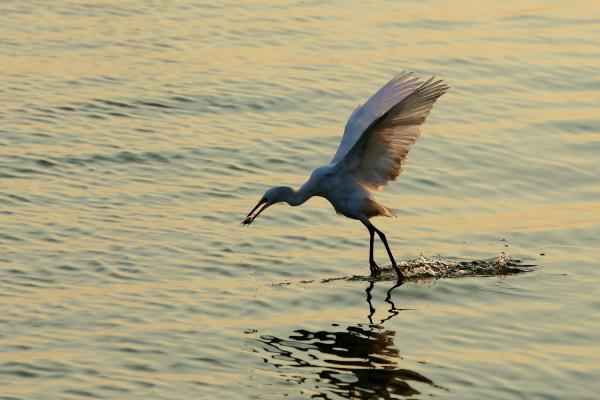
x: 251, y: 217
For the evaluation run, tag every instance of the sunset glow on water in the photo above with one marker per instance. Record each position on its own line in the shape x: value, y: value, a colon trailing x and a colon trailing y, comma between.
x: 137, y: 135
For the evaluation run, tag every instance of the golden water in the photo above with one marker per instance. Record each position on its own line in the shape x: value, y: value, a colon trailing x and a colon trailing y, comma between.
x: 136, y: 135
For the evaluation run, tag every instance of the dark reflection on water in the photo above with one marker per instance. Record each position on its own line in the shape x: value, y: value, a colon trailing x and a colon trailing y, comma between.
x: 392, y: 311
x: 362, y: 360
x: 358, y: 362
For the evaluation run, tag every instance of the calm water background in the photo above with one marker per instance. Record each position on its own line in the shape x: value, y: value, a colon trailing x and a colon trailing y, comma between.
x: 136, y: 135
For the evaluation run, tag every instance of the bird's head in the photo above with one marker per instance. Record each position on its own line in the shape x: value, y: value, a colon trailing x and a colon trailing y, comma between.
x: 273, y: 195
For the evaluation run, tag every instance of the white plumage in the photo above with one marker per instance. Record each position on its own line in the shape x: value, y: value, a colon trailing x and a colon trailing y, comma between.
x: 373, y: 149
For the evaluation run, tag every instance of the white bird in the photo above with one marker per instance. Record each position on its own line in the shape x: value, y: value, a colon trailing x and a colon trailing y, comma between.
x: 376, y: 140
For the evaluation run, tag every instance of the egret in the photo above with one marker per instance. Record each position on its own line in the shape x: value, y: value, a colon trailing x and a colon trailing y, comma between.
x: 372, y: 152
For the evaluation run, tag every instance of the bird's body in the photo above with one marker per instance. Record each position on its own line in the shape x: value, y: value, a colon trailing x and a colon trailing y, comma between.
x: 345, y: 193
x: 376, y: 140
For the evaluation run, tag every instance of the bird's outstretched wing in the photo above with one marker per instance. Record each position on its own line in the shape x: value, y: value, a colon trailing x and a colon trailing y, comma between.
x: 389, y: 95
x: 394, y: 114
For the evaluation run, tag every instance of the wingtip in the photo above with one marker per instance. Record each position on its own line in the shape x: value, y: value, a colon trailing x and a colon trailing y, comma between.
x: 435, y: 87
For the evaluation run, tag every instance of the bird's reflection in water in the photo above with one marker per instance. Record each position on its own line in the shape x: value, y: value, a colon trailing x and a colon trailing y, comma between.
x: 358, y: 362
x: 392, y: 311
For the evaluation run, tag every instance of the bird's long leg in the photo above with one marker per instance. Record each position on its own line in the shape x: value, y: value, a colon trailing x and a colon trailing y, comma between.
x: 372, y: 264
x: 387, y: 247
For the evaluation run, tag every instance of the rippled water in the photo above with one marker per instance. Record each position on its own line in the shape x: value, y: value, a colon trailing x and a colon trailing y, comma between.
x: 136, y: 135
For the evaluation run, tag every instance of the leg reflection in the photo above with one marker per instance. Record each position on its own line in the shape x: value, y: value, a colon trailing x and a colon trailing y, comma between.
x: 369, y: 298
x: 393, y: 310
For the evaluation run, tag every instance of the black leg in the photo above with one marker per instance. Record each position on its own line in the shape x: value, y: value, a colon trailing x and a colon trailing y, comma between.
x: 387, y: 247
x: 375, y: 271
x: 374, y: 267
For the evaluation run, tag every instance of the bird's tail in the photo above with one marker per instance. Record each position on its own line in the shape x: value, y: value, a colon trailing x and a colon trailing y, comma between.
x: 378, y: 209
x: 388, y: 212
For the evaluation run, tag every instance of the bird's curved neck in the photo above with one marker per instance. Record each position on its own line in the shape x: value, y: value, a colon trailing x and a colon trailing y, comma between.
x: 297, y: 197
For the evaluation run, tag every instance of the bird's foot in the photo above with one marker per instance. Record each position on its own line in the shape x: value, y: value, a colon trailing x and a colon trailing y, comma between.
x: 375, y: 270
x: 398, y: 272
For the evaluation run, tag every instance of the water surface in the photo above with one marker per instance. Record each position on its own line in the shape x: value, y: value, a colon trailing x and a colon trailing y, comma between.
x: 135, y: 136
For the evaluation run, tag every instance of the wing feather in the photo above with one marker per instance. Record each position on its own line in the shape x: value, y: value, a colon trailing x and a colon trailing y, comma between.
x: 379, y: 153
x: 390, y: 94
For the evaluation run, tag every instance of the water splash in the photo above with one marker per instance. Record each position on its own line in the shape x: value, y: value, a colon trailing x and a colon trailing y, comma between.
x: 423, y: 269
